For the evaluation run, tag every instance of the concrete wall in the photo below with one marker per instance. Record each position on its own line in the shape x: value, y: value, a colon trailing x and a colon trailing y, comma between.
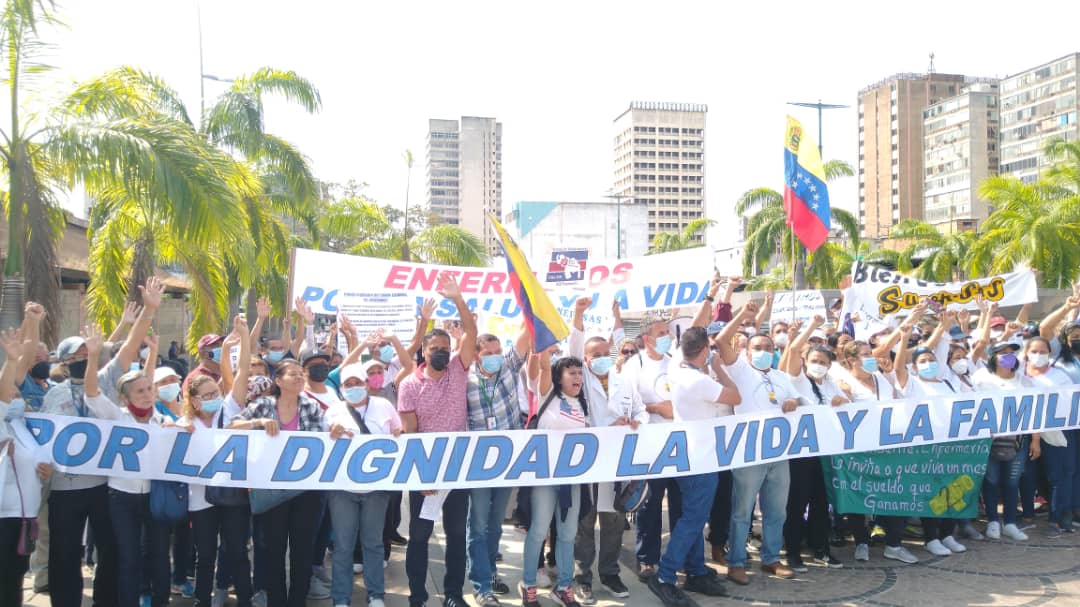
x: 171, y: 322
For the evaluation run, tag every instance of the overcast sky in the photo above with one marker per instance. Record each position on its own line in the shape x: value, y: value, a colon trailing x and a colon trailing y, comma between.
x: 556, y: 74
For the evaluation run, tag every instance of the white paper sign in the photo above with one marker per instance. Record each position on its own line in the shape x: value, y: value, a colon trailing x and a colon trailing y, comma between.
x: 800, y: 305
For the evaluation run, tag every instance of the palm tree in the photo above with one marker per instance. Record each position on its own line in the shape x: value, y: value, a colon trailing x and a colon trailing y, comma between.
x: 1066, y: 170
x: 944, y: 256
x: 768, y: 233
x: 1036, y: 224
x: 225, y: 244
x: 690, y: 237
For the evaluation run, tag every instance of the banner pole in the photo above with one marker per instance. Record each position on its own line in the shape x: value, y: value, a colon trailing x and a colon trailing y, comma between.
x: 794, y: 264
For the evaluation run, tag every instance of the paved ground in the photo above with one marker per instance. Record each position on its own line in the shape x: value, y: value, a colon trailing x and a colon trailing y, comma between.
x: 1041, y: 571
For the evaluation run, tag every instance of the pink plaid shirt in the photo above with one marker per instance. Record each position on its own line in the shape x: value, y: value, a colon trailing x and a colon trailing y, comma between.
x: 439, y: 405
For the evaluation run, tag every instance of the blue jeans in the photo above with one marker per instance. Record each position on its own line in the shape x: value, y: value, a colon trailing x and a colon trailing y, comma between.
x: 348, y: 511
x: 487, y: 507
x: 650, y: 519
x: 1002, y: 481
x: 1060, y: 470
x: 686, y: 544
x: 545, y: 506
x: 130, y: 513
x: 772, y: 482
x: 455, y: 511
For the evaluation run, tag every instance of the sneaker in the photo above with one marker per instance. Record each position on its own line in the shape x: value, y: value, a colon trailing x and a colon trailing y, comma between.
x: 668, y: 594
x: 220, y: 594
x: 376, y: 603
x: 753, y: 545
x: 487, y: 599
x: 585, y: 595
x: 778, y: 570
x: 1013, y: 532
x: 993, y: 530
x: 322, y: 573
x: 528, y: 596
x: 862, y: 552
x: 498, y: 586
x: 542, y: 579
x: 498, y: 557
x: 186, y: 590
x: 145, y: 600
x: 719, y: 555
x: 708, y: 584
x: 397, y: 540
x: 417, y: 603
x: 954, y: 546
x: 899, y: 553
x: 936, y: 548
x: 615, y: 586
x: 1053, y: 531
x: 318, y: 590
x: 257, y: 600
x: 358, y: 568
x: 341, y: 605
x: 564, y: 597
x: 827, y: 559
x: 646, y: 572
x: 456, y: 601
x: 738, y: 575
x: 1074, y: 525
x: 969, y: 531
x: 877, y: 534
x: 796, y: 564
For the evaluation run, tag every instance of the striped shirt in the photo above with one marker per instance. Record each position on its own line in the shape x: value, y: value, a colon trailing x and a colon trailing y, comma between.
x: 495, y: 398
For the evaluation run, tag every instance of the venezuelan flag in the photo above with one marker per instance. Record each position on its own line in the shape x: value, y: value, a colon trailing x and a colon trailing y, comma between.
x: 545, y: 324
x: 806, y: 197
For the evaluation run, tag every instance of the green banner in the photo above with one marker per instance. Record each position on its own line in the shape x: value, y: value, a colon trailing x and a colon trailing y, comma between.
x: 940, y: 481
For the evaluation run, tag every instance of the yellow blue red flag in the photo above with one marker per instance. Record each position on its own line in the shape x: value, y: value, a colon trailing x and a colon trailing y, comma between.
x: 806, y: 197
x: 545, y: 324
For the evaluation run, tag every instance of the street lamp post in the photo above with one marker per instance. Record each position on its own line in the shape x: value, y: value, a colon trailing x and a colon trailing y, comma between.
x: 618, y: 222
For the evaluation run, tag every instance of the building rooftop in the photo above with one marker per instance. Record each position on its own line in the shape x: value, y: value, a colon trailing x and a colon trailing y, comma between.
x: 667, y: 106
x: 919, y: 76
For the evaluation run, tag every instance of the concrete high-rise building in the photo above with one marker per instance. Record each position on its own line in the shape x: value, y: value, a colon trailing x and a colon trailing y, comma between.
x: 1036, y: 105
x: 464, y: 174
x: 660, y: 162
x: 891, y: 147
x: 604, y: 228
x: 960, y: 150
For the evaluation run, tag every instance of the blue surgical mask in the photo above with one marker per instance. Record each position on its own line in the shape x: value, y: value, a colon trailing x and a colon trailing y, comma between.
x: 601, y: 366
x: 212, y: 405
x: 355, y: 394
x: 663, y: 344
x: 927, y: 369
x: 215, y: 354
x: 761, y: 359
x: 168, y: 392
x: 386, y: 353
x: 869, y: 364
x: 275, y: 356
x: 491, y: 363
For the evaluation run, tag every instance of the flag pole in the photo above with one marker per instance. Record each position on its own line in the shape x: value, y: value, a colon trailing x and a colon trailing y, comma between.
x: 794, y: 263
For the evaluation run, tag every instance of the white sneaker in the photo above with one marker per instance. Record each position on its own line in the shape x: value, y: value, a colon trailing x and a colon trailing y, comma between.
x: 862, y: 552
x: 993, y: 530
x: 969, y: 531
x: 899, y: 553
x: 542, y: 579
x: 258, y: 599
x: 318, y: 590
x: 358, y: 568
x: 1013, y: 533
x: 953, y: 545
x: 341, y: 605
x: 376, y: 603
x: 936, y: 548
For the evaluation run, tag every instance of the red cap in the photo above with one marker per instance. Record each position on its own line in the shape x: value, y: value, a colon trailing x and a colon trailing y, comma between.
x: 210, y: 339
x: 998, y: 321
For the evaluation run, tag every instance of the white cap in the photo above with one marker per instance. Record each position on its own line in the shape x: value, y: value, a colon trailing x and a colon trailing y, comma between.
x: 818, y: 334
x: 163, y: 373
x: 354, y: 370
x: 373, y: 363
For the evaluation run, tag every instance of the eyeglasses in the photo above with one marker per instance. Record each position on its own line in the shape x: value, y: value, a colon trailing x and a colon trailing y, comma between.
x: 209, y: 395
x: 628, y: 352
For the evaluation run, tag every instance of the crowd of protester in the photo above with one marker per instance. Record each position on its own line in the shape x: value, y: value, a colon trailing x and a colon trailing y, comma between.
x: 453, y: 379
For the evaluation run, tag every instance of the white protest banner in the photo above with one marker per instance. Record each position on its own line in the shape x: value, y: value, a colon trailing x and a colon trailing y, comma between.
x: 307, y: 460
x: 877, y: 293
x: 800, y: 305
x: 639, y: 284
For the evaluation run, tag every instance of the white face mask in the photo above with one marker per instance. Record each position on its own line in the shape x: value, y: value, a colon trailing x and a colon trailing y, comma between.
x: 781, y: 340
x: 960, y: 366
x: 816, y: 371
x: 1039, y: 359
x: 996, y: 334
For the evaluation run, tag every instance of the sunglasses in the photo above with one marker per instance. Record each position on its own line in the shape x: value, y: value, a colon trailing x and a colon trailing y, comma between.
x: 628, y: 352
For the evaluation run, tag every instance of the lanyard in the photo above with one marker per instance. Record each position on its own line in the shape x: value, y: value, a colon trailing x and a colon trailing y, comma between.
x: 487, y: 397
x: 77, y: 401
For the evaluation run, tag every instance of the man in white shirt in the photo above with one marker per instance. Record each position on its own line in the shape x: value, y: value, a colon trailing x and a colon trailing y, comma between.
x: 761, y: 388
x: 696, y: 397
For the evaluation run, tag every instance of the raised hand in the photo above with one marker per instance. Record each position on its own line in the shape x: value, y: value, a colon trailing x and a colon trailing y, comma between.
x: 448, y: 286
x: 34, y: 311
x: 131, y: 312
x: 262, y: 307
x: 304, y: 310
x: 152, y: 293
x: 151, y: 339
x: 94, y: 342
x: 456, y: 331
x: 240, y: 325
x: 11, y: 341
x: 817, y: 321
x: 428, y: 309
x: 581, y: 304
x: 963, y: 317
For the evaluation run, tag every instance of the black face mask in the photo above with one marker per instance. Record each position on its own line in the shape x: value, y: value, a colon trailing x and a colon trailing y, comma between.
x: 319, y: 372
x: 439, y: 359
x: 1074, y: 345
x: 40, y: 371
x: 77, y: 369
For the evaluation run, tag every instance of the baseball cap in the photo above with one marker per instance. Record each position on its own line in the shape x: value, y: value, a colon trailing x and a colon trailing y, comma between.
x: 818, y: 334
x: 162, y: 373
x: 956, y: 333
x: 1001, y: 346
x: 210, y: 339
x: 306, y: 355
x: 67, y: 348
x: 354, y: 370
x: 998, y: 321
x: 715, y: 327
x: 920, y: 351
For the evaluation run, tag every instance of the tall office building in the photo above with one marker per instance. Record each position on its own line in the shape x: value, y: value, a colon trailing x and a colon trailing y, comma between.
x: 1037, y: 105
x: 464, y: 174
x: 660, y: 162
x: 960, y: 150
x: 891, y: 147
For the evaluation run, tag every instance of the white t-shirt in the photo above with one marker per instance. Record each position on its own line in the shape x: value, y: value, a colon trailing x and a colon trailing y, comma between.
x: 828, y: 389
x: 917, y: 387
x: 650, y: 378
x: 103, y: 408
x: 694, y: 395
x: 881, y: 389
x: 562, y: 413
x: 754, y: 387
x: 325, y: 399
x: 378, y: 414
x: 28, y: 454
x: 984, y: 379
x: 1052, y: 377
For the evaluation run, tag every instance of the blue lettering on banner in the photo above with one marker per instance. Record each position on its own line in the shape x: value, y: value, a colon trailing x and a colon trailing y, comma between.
x: 1052, y: 420
x: 985, y: 419
x: 41, y: 429
x: 381, y: 465
x: 126, y: 442
x: 1038, y: 414
x: 725, y: 449
x: 805, y: 436
x: 674, y: 453
x: 775, y: 436
x: 504, y: 448
x: 333, y: 462
x: 627, y: 467
x: 887, y: 437
x: 426, y: 464
x: 565, y: 468
x: 750, y: 453
x: 89, y: 432
x: 959, y: 415
x: 176, y: 463
x: 457, y: 457
x: 315, y: 294
x: 533, y: 458
x: 231, y: 459
x: 313, y: 447
x: 1075, y: 409
x: 849, y: 424
x: 1015, y: 417
x: 919, y: 425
